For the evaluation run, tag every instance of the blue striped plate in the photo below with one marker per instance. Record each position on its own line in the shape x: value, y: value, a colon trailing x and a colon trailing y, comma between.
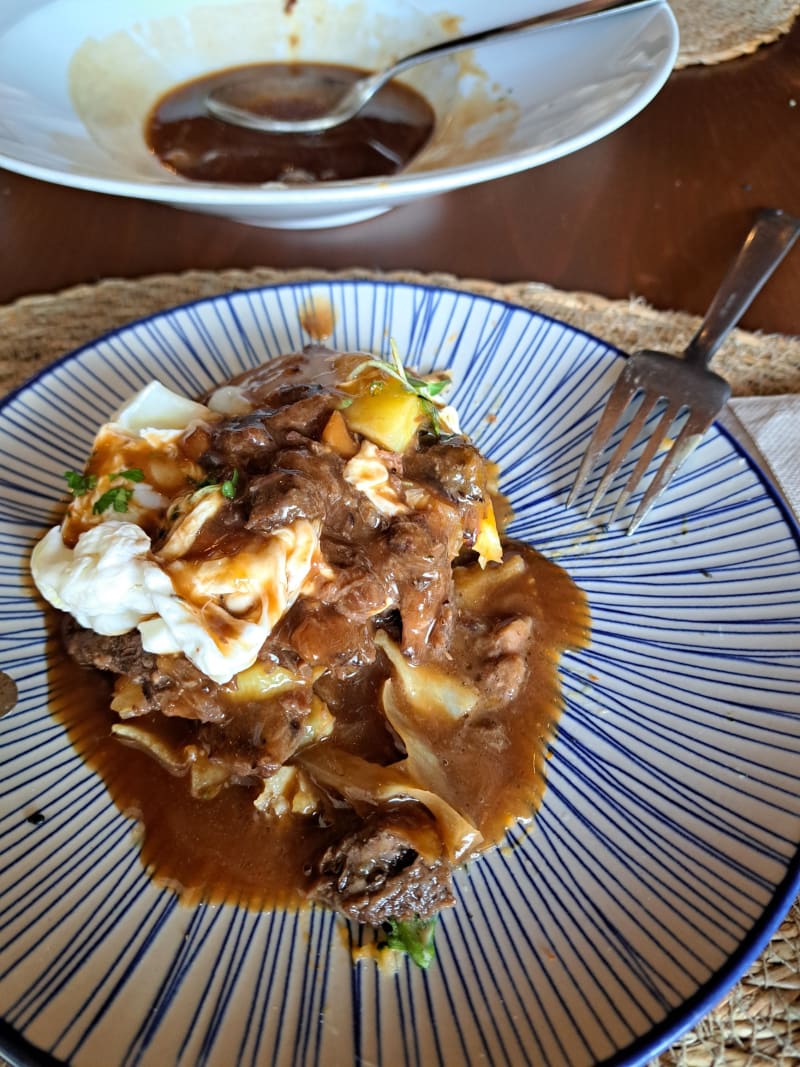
x: 666, y: 849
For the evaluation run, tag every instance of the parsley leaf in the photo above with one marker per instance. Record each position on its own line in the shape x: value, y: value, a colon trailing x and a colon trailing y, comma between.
x: 414, y: 936
x: 135, y: 474
x: 117, y: 497
x: 79, y: 484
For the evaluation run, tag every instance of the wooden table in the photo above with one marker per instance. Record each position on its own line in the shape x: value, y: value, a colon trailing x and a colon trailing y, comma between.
x: 657, y: 209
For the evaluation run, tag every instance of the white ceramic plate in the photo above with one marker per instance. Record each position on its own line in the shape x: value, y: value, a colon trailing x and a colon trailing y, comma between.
x: 666, y: 849
x: 79, y: 77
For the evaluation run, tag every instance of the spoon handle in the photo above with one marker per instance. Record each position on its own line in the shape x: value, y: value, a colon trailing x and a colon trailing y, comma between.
x: 362, y: 90
x: 579, y: 10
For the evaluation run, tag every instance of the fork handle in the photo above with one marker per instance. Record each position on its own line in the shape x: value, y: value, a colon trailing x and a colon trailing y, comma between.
x: 773, y: 234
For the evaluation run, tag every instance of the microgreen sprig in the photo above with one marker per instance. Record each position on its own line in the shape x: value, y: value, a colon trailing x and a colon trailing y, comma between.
x: 227, y: 488
x: 424, y: 388
x: 413, y: 936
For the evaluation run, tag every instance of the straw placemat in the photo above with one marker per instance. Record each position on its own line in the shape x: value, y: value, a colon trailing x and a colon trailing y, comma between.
x: 758, y: 1023
x: 713, y: 31
x: 37, y: 329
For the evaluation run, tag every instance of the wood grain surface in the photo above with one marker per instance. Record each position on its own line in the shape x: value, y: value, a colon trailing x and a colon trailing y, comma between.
x: 655, y: 210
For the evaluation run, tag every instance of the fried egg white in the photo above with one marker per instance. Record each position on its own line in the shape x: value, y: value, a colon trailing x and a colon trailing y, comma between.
x: 101, y: 568
x: 112, y: 582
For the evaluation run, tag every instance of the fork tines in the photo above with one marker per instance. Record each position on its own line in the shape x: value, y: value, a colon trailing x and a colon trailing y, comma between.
x: 626, y: 389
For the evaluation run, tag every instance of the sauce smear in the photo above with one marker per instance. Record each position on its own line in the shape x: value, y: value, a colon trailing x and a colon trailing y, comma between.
x: 222, y: 849
x: 382, y: 139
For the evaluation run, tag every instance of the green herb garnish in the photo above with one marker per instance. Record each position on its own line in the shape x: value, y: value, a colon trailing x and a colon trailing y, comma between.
x: 118, y: 496
x: 132, y: 475
x: 229, y: 486
x: 413, y: 936
x: 424, y: 388
x: 80, y: 484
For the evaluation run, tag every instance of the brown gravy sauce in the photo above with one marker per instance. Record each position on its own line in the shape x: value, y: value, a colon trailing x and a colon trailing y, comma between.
x: 380, y: 140
x: 222, y: 849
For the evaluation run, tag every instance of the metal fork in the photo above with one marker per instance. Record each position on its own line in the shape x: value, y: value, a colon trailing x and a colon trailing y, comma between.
x: 686, y: 384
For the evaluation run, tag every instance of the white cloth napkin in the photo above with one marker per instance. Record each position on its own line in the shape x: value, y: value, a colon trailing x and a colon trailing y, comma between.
x: 769, y: 428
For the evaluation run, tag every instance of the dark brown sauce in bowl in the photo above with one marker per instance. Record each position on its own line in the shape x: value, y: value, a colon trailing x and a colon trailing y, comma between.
x: 381, y: 140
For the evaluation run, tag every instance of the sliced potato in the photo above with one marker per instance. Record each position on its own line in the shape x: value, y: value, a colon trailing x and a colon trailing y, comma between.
x: 428, y: 688
x: 320, y: 721
x: 129, y: 699
x: 475, y: 587
x: 206, y: 779
x: 175, y: 760
x: 288, y: 790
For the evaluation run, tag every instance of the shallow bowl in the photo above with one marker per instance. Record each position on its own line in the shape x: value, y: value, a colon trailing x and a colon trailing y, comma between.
x: 79, y: 78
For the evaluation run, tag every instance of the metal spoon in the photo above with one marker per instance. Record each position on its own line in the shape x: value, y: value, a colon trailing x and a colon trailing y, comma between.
x: 362, y: 91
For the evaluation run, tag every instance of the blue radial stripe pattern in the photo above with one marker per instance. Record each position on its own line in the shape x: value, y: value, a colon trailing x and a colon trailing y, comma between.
x: 665, y: 850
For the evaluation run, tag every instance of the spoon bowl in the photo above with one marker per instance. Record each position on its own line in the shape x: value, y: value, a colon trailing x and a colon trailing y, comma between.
x: 220, y: 105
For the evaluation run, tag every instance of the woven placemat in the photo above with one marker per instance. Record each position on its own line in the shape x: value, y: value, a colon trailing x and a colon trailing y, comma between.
x: 758, y: 1023
x: 713, y: 31
x: 37, y: 329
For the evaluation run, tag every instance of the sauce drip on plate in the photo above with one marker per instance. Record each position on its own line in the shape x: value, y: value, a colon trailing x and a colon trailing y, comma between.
x: 380, y: 140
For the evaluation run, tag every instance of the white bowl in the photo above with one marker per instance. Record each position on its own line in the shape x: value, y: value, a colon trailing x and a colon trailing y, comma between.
x: 78, y: 78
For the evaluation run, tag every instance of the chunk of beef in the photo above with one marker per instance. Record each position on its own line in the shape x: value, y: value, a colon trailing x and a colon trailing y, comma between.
x: 302, y: 478
x: 323, y: 637
x: 280, y: 498
x: 414, y: 567
x: 119, y: 654
x: 317, y: 366
x: 349, y: 515
x: 362, y: 594
x: 356, y: 590
x: 390, y: 867
x: 305, y: 413
x: 239, y: 443
x: 453, y: 466
x: 169, y: 684
x: 247, y: 442
x: 180, y: 690
x: 260, y: 737
x: 494, y: 653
